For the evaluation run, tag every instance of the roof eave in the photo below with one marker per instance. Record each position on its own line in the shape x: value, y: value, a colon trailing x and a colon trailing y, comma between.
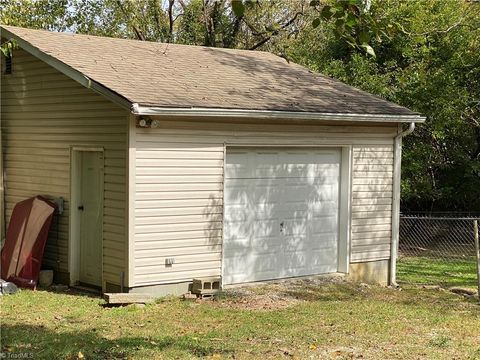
x: 271, y: 114
x: 67, y: 70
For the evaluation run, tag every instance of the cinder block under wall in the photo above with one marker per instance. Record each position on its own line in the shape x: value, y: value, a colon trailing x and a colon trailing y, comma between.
x: 373, y: 272
x: 176, y: 289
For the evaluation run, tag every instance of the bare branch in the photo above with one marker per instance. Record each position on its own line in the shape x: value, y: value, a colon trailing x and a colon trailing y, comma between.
x: 170, y: 19
x: 138, y: 33
x: 276, y: 32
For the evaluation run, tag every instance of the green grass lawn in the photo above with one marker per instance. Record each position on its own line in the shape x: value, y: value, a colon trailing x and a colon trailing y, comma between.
x: 309, y: 320
x: 422, y: 270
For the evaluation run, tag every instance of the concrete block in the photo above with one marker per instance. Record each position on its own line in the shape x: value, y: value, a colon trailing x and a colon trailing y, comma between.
x: 206, y: 286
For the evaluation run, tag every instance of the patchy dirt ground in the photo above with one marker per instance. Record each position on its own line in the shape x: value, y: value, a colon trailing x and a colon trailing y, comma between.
x: 272, y: 295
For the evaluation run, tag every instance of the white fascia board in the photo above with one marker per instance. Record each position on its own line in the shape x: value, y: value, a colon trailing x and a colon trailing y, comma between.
x: 68, y: 70
x: 267, y: 114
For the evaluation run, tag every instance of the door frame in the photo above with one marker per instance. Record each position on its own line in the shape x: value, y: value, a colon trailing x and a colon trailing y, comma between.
x: 344, y: 197
x: 74, y: 221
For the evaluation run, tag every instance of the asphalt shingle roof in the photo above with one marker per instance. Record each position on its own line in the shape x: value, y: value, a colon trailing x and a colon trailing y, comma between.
x: 183, y: 76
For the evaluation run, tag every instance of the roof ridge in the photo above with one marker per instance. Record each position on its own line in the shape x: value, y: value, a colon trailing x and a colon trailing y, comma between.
x: 150, y: 42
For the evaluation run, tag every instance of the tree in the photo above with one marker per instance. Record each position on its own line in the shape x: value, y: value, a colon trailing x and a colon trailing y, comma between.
x: 36, y: 14
x: 428, y: 61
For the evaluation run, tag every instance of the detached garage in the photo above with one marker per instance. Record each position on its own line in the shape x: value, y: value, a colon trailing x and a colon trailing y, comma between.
x: 179, y: 162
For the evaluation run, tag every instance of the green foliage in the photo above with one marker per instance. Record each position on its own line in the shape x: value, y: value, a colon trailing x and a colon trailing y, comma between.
x: 353, y: 22
x: 139, y: 19
x: 238, y: 7
x: 36, y: 14
x: 191, y: 28
x: 430, y: 63
x: 7, y: 47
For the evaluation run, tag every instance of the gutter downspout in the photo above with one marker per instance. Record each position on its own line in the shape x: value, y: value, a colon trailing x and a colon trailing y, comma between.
x: 397, y: 161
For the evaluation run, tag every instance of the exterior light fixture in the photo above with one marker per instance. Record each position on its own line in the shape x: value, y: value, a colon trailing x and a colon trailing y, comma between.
x: 142, y: 123
x: 147, y: 123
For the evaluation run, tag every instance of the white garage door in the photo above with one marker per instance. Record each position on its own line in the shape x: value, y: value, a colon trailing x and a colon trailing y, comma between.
x: 281, y: 213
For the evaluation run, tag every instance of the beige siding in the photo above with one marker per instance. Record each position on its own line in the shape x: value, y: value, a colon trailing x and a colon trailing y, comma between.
x: 179, y: 191
x: 44, y: 113
x: 372, y: 180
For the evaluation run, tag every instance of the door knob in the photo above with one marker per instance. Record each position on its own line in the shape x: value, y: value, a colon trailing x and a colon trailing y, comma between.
x: 80, y: 208
x: 282, y: 226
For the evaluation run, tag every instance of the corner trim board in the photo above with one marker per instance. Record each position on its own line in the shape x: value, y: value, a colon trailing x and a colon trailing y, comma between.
x: 131, y: 192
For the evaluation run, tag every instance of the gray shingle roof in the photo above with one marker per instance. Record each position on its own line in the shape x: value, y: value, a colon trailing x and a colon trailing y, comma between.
x: 182, y: 76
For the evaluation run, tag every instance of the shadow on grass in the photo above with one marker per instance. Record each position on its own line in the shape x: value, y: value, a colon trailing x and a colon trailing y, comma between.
x: 74, y: 292
x: 330, y: 292
x: 413, y: 295
x: 43, y: 343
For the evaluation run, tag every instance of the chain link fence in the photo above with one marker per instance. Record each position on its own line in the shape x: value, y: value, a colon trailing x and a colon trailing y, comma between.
x: 438, y: 250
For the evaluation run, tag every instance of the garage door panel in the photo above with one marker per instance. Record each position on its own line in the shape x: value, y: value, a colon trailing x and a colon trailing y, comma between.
x: 266, y: 165
x: 316, y: 210
x: 318, y: 268
x: 253, y: 165
x: 281, y: 213
x: 252, y: 267
x: 300, y: 226
x: 328, y: 224
x: 330, y: 245
x: 323, y: 210
x: 263, y: 228
x: 311, y: 194
x: 236, y: 215
x: 257, y: 275
x: 265, y: 246
x: 322, y: 241
x: 236, y: 194
x: 322, y: 157
x: 309, y: 173
x: 253, y: 227
x: 313, y: 263
x: 295, y: 228
x: 311, y: 259
x: 309, y: 182
x: 238, y: 165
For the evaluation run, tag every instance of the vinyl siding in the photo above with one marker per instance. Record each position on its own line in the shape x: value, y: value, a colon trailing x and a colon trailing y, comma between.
x: 44, y: 113
x: 178, y: 191
x: 372, y: 186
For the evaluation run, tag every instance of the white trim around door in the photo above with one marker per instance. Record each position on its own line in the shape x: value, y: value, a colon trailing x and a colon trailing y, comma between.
x: 343, y: 176
x: 74, y: 246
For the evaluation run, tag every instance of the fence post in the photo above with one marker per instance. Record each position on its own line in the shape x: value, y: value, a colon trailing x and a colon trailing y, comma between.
x: 477, y: 248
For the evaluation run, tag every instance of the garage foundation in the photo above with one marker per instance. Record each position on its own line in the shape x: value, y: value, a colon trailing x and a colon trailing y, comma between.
x: 175, y: 289
x: 372, y: 272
